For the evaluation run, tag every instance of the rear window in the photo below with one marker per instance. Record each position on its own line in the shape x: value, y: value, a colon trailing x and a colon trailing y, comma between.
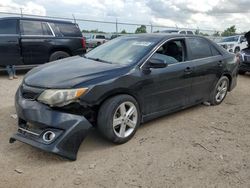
x: 100, y: 37
x: 199, y: 47
x: 8, y: 26
x: 66, y: 29
x: 36, y: 28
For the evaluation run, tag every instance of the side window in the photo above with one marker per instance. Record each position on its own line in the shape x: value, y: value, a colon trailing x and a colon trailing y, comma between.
x: 67, y: 30
x: 190, y: 32
x: 199, y: 48
x: 46, y: 29
x: 183, y: 32
x: 242, y: 39
x: 171, y: 52
x: 31, y: 27
x: 8, y: 27
x: 215, y: 52
x: 100, y: 37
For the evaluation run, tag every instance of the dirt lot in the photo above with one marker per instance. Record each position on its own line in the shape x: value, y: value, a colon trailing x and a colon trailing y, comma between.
x: 202, y: 146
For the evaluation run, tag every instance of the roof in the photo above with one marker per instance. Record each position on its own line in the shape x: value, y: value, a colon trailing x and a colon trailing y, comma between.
x: 35, y: 19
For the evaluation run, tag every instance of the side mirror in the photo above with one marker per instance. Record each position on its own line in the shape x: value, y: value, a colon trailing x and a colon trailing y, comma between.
x: 156, y: 64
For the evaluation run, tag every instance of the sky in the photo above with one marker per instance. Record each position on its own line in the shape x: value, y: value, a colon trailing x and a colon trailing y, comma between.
x: 202, y: 14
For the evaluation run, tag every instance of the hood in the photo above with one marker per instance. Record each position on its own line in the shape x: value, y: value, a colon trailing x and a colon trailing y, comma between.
x: 71, y: 72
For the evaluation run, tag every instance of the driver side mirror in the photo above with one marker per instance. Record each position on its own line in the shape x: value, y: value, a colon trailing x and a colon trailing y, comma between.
x: 156, y: 64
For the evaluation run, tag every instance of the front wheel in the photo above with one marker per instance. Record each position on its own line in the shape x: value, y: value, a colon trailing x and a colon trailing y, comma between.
x: 119, y: 118
x: 220, y: 91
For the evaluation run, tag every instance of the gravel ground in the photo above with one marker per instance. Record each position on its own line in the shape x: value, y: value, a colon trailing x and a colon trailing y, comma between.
x: 203, y: 146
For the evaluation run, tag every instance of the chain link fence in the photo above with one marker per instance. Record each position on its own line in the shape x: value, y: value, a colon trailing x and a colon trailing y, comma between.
x: 114, y: 27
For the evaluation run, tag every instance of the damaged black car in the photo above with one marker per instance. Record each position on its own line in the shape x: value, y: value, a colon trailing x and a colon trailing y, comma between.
x: 244, y: 57
x: 118, y: 86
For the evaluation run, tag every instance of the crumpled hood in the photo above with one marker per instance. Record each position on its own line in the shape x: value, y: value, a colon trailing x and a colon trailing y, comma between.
x: 70, y: 72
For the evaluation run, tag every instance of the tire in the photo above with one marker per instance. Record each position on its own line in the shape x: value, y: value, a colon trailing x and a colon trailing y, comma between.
x: 237, y: 50
x: 58, y: 55
x: 112, y: 109
x: 242, y: 72
x: 220, y: 91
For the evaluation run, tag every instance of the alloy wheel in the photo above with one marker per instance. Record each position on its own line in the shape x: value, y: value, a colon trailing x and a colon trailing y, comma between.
x: 221, y: 91
x: 125, y: 119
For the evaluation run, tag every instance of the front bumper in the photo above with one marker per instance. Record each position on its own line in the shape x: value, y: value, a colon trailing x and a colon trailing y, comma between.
x: 36, y: 119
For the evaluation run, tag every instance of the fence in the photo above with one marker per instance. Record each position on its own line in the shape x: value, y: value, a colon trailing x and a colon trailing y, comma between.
x: 110, y: 26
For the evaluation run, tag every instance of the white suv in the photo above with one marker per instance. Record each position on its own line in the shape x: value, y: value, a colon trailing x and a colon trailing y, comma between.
x: 234, y: 44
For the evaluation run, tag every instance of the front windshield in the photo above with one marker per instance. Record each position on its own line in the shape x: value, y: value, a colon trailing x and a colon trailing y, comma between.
x: 123, y: 50
x: 230, y: 39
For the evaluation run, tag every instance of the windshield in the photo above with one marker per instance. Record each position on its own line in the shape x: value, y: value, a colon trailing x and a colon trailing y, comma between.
x: 123, y: 50
x: 230, y: 39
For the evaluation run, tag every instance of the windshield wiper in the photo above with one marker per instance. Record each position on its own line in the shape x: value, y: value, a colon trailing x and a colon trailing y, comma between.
x: 97, y: 59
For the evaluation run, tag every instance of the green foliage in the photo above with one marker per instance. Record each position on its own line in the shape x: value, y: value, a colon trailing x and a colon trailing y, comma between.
x: 197, y: 32
x: 229, y: 31
x: 141, y: 29
x: 216, y: 34
x: 123, y: 31
x: 203, y: 34
x: 92, y: 31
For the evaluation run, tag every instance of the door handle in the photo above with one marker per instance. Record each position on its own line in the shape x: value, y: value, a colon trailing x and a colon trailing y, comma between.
x: 188, y: 70
x: 220, y: 63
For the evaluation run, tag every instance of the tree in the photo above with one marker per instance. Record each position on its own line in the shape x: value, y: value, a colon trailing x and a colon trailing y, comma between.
x: 123, y: 31
x: 216, y: 34
x: 141, y: 29
x: 203, y: 34
x: 197, y: 32
x: 229, y: 31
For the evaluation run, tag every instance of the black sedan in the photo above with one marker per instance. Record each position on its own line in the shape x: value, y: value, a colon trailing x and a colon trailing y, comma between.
x: 118, y: 86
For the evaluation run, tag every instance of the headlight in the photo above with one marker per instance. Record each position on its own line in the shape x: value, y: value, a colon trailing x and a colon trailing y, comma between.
x: 61, y: 97
x: 231, y: 45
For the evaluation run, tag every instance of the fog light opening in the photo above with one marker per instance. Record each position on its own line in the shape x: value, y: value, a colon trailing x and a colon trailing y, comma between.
x: 48, y: 136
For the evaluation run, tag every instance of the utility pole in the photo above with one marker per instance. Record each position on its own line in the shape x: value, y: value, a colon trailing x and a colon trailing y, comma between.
x: 21, y: 9
x: 116, y: 26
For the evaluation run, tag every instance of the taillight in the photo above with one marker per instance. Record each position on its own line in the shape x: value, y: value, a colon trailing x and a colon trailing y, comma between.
x: 83, y: 43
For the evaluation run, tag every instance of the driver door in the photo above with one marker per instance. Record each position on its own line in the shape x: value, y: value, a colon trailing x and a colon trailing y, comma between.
x: 167, y: 89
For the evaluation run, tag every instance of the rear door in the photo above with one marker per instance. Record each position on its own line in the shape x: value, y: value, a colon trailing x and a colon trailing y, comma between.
x: 208, y: 67
x: 36, y: 40
x: 10, y: 53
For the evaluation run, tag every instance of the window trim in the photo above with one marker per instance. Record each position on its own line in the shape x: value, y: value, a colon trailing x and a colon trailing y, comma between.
x: 158, y: 47
x: 188, y: 61
x: 40, y: 21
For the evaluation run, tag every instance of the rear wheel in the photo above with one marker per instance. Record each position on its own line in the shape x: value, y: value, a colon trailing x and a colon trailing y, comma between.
x: 58, y: 55
x: 220, y: 91
x: 119, y: 118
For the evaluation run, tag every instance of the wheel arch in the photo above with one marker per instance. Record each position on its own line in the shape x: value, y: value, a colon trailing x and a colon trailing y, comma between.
x: 64, y: 49
x: 229, y: 78
x: 116, y: 92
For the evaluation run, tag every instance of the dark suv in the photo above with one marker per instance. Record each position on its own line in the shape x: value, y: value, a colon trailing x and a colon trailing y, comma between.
x: 32, y: 41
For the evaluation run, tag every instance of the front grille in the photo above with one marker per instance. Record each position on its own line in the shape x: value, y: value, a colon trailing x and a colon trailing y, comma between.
x: 30, y: 93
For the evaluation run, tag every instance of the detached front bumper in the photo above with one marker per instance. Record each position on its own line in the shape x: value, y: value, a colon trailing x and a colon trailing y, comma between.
x: 47, y: 129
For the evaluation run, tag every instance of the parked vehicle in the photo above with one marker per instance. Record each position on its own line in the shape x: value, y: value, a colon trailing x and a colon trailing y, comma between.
x: 177, y: 31
x: 244, y: 56
x: 234, y: 44
x: 95, y: 40
x: 117, y: 86
x: 27, y: 42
